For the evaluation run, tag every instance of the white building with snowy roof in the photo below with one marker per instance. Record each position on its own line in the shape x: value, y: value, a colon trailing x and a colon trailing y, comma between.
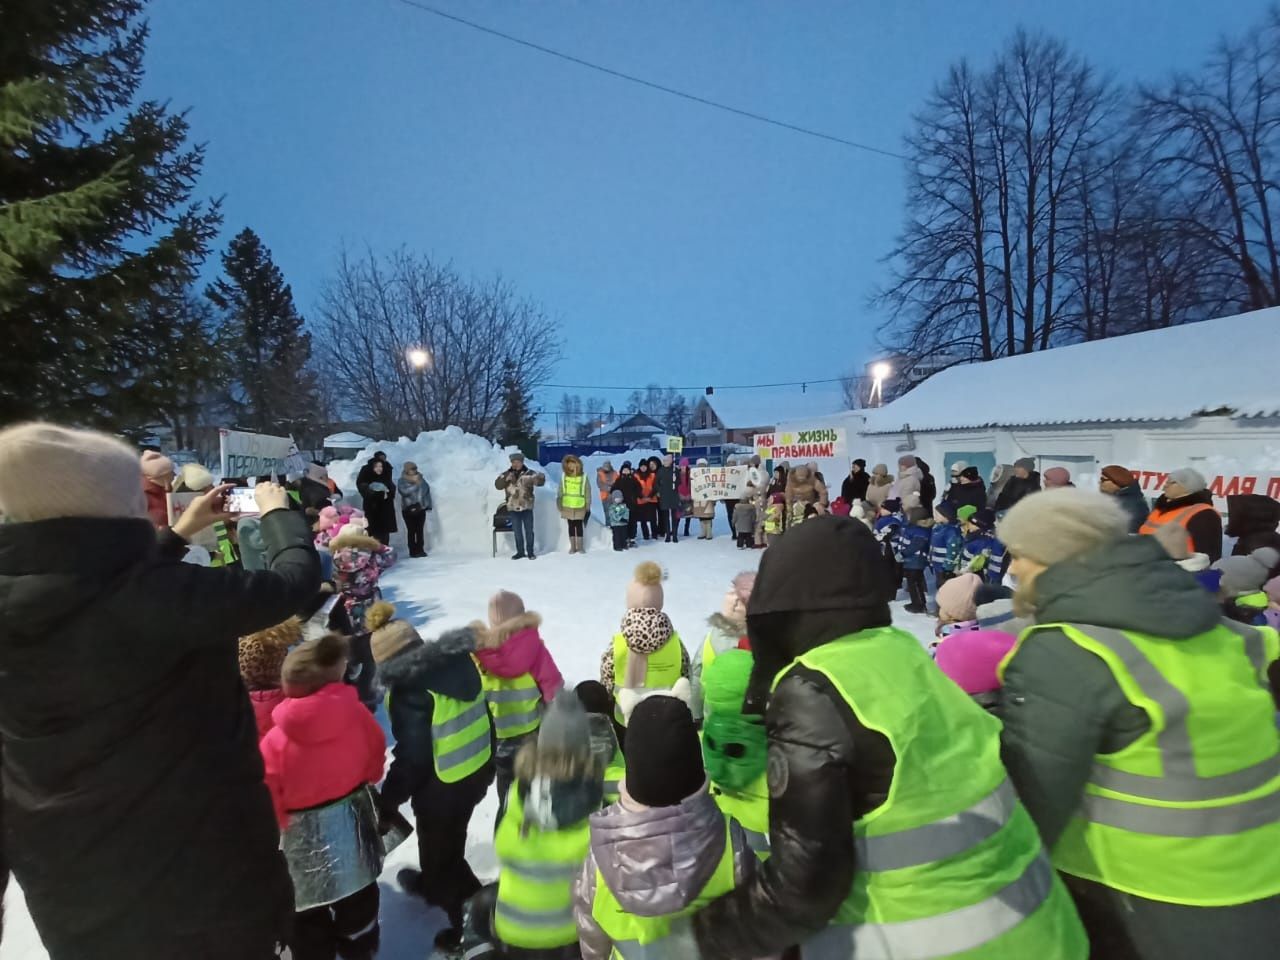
x: 1205, y: 395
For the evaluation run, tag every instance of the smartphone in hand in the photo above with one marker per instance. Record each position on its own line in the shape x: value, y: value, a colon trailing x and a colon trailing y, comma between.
x: 240, y: 500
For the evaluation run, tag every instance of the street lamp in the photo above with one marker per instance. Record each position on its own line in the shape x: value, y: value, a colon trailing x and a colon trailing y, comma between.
x: 418, y: 358
x: 880, y: 372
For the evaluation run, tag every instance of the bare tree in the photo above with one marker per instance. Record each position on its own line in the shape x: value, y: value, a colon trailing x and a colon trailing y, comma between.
x: 414, y: 346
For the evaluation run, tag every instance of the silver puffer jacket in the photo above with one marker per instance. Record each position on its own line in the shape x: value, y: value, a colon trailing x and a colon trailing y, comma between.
x: 655, y: 861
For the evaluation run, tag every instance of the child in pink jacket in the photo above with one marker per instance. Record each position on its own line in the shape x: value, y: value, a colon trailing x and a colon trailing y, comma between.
x: 323, y: 748
x: 510, y: 647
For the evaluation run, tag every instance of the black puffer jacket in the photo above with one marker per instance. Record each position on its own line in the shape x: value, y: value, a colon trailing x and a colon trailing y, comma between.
x: 825, y: 768
x: 1204, y: 529
x: 443, y: 666
x: 1252, y: 519
x: 137, y: 820
x: 967, y: 494
x: 1062, y: 706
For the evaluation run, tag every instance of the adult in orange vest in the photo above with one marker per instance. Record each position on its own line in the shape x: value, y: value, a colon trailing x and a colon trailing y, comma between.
x: 1187, y: 502
x: 605, y: 477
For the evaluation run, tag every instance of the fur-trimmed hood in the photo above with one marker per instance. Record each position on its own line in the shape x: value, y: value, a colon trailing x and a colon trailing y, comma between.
x: 491, y: 638
x: 354, y: 538
x: 442, y: 665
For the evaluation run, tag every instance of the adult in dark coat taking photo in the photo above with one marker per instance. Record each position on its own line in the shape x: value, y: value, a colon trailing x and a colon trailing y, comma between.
x: 137, y: 821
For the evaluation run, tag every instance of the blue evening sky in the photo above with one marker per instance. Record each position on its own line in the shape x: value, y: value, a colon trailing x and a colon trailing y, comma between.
x: 676, y: 244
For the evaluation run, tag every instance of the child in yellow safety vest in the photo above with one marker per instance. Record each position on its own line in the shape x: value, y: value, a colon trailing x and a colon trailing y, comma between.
x: 663, y: 851
x: 735, y: 748
x: 646, y: 654
x: 541, y: 844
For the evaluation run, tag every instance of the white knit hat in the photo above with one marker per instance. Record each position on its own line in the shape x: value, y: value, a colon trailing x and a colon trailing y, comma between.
x: 1190, y: 479
x: 47, y: 471
x: 1059, y: 524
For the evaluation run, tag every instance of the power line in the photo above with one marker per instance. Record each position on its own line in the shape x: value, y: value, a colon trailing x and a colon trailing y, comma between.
x: 652, y: 85
x: 701, y: 386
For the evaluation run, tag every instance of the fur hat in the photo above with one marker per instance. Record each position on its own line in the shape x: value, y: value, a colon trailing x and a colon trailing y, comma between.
x: 1118, y: 475
x: 664, y: 756
x: 503, y: 606
x: 959, y: 467
x: 1057, y: 477
x: 195, y: 477
x: 645, y: 589
x: 156, y: 466
x: 262, y: 654
x: 314, y: 664
x: 47, y: 471
x: 957, y: 598
x: 1189, y: 479
x: 516, y: 457
x: 389, y: 635
x: 1025, y: 463
x: 1056, y: 525
x: 1247, y: 574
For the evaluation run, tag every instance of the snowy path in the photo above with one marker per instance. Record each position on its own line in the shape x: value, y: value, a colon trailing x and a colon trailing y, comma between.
x: 581, y: 599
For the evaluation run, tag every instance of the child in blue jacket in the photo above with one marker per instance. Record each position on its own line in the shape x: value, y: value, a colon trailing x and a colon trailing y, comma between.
x: 913, y: 547
x: 946, y: 543
x: 983, y: 553
x: 889, y: 521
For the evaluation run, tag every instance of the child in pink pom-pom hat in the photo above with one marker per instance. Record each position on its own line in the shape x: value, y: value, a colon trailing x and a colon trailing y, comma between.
x: 971, y: 659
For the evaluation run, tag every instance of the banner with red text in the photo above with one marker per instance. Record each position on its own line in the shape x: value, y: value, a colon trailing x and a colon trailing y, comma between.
x: 818, y: 443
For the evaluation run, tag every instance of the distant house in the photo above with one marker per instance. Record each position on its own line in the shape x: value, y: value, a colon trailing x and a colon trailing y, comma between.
x: 735, y: 417
x: 626, y: 430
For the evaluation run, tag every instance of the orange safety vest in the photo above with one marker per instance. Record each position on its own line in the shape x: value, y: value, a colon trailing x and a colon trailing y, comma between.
x: 605, y: 489
x: 1180, y: 515
x: 647, y: 484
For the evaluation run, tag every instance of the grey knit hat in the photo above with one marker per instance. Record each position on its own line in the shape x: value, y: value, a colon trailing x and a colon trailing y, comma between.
x: 1026, y: 463
x: 1248, y: 574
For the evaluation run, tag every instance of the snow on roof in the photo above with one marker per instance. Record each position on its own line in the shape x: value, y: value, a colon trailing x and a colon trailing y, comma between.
x: 619, y: 422
x: 1227, y: 364
x: 743, y: 409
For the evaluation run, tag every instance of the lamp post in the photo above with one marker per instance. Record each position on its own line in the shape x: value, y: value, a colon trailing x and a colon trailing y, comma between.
x: 420, y: 359
x: 880, y: 372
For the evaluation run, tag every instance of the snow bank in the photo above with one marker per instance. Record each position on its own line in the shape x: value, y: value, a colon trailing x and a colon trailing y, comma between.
x: 461, y: 469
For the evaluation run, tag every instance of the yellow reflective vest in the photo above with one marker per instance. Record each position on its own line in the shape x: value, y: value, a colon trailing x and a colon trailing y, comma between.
x: 1184, y: 812
x: 661, y: 672
x: 515, y: 702
x: 951, y: 863
x: 537, y: 873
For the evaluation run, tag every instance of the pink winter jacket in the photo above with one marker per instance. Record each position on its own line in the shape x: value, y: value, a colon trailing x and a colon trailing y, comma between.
x: 321, y: 748
x: 264, y: 702
x: 515, y: 648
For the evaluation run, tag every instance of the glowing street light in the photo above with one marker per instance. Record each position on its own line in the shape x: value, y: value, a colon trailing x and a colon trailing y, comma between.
x: 880, y: 372
x: 418, y: 358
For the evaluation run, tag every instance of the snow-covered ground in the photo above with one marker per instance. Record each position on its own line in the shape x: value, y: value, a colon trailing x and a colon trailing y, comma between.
x: 580, y: 598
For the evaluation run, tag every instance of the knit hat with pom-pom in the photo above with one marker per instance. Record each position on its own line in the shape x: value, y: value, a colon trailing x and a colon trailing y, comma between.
x: 390, y: 636
x: 645, y: 589
x: 314, y: 664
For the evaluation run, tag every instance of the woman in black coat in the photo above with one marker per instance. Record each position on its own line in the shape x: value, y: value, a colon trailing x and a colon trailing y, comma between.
x: 378, y: 488
x: 854, y: 487
x: 142, y: 826
x: 626, y: 482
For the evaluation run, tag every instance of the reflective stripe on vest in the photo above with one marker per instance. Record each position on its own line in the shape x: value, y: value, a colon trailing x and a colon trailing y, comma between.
x: 662, y: 668
x: 459, y: 736
x: 941, y: 872
x: 515, y: 702
x: 1180, y: 814
x: 538, y: 869
x: 943, y: 934
x: 1181, y: 517
x: 644, y: 938
x: 573, y: 493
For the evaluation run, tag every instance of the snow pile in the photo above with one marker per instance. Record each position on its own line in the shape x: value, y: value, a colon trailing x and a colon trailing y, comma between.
x: 461, y: 469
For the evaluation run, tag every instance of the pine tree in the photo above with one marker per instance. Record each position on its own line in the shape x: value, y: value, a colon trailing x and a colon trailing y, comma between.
x: 515, y: 426
x: 97, y: 226
x: 272, y: 389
